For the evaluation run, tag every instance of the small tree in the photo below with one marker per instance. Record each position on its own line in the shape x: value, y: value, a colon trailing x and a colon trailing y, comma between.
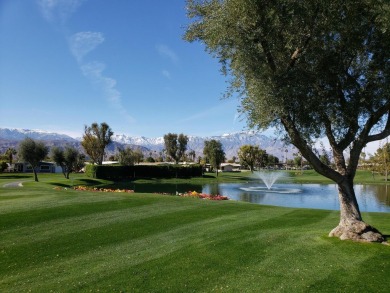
x: 32, y: 152
x: 214, y: 153
x: 125, y: 157
x: 95, y: 139
x: 381, y: 160
x: 10, y: 152
x: 272, y: 160
x: 128, y: 156
x: 70, y: 160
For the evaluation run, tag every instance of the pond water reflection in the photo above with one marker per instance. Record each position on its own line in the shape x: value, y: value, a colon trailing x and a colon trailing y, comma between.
x: 371, y: 198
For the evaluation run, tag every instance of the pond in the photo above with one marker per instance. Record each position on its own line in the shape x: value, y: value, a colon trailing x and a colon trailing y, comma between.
x: 371, y: 198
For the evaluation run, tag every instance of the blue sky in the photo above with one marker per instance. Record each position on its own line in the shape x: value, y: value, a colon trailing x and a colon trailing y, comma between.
x: 67, y: 63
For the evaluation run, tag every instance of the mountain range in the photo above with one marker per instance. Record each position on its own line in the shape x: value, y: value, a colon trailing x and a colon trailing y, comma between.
x: 230, y: 142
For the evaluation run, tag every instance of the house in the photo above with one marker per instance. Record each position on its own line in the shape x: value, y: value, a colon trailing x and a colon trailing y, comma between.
x: 230, y: 167
x: 44, y: 167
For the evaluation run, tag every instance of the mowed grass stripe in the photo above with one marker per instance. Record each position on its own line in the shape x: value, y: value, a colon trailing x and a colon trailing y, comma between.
x: 137, y: 251
x: 154, y: 243
x: 26, y: 200
x: 73, y: 241
x: 76, y: 224
x: 144, y: 248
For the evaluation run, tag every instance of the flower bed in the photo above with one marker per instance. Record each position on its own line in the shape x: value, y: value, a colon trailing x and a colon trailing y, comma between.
x: 95, y: 189
x: 187, y: 194
x: 204, y: 196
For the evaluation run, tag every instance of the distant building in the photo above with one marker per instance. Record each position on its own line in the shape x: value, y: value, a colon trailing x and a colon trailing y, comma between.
x: 44, y: 167
x: 230, y: 167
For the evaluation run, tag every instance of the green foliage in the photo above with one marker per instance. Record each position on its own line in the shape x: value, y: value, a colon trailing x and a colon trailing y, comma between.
x: 114, y: 172
x: 69, y: 159
x: 95, y: 139
x: 381, y: 160
x: 272, y: 160
x: 312, y: 68
x: 252, y: 156
x: 90, y: 170
x: 3, y: 166
x: 214, y: 153
x: 126, y: 157
x: 10, y: 152
x: 32, y: 152
x: 175, y: 146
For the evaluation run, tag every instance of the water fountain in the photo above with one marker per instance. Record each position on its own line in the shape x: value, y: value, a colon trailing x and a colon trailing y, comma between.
x: 269, y: 178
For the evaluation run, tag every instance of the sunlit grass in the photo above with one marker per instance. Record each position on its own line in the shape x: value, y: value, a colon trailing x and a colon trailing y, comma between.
x: 78, y: 241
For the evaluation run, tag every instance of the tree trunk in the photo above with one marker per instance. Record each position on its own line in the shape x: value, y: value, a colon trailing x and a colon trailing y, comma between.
x: 351, y: 225
x: 35, y: 174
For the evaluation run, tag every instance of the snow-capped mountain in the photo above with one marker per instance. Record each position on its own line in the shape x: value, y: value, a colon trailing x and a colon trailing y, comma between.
x: 20, y: 134
x: 230, y: 142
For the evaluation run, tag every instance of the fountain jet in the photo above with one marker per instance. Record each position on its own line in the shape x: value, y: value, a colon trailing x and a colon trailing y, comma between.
x: 269, y: 178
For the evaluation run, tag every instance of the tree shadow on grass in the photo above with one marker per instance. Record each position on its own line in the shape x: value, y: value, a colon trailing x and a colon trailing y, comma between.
x: 60, y: 184
x: 16, y: 177
x: 90, y: 181
x: 208, y: 176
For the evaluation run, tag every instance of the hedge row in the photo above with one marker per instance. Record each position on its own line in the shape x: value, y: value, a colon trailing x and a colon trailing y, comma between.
x: 117, y: 172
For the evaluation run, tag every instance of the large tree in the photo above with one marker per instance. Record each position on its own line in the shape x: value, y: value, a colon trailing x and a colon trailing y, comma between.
x: 32, y: 152
x: 316, y: 69
x: 95, y: 139
x: 214, y: 153
x: 175, y: 145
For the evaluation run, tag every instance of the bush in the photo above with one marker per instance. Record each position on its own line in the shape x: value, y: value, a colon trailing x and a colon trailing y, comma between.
x: 90, y: 170
x: 3, y: 166
x: 112, y: 172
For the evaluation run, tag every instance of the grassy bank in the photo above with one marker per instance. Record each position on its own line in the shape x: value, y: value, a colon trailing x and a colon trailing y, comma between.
x: 77, y: 241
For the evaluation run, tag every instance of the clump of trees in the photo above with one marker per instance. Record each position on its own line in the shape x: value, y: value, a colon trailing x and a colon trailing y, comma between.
x: 311, y: 69
x: 128, y: 156
x: 175, y: 146
x: 69, y: 159
x: 252, y: 156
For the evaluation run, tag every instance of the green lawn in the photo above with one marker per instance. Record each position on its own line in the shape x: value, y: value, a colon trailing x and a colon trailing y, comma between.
x: 65, y: 240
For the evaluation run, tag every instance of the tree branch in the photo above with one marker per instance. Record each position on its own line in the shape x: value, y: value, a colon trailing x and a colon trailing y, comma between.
x: 299, y: 142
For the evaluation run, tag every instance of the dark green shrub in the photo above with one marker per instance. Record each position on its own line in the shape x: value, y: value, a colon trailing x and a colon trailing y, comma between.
x: 118, y: 172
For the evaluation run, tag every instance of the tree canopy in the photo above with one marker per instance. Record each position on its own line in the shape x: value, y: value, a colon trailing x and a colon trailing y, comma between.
x: 175, y: 145
x: 70, y: 160
x: 95, y: 139
x: 313, y: 69
x: 32, y: 152
x: 214, y: 153
x: 252, y: 156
